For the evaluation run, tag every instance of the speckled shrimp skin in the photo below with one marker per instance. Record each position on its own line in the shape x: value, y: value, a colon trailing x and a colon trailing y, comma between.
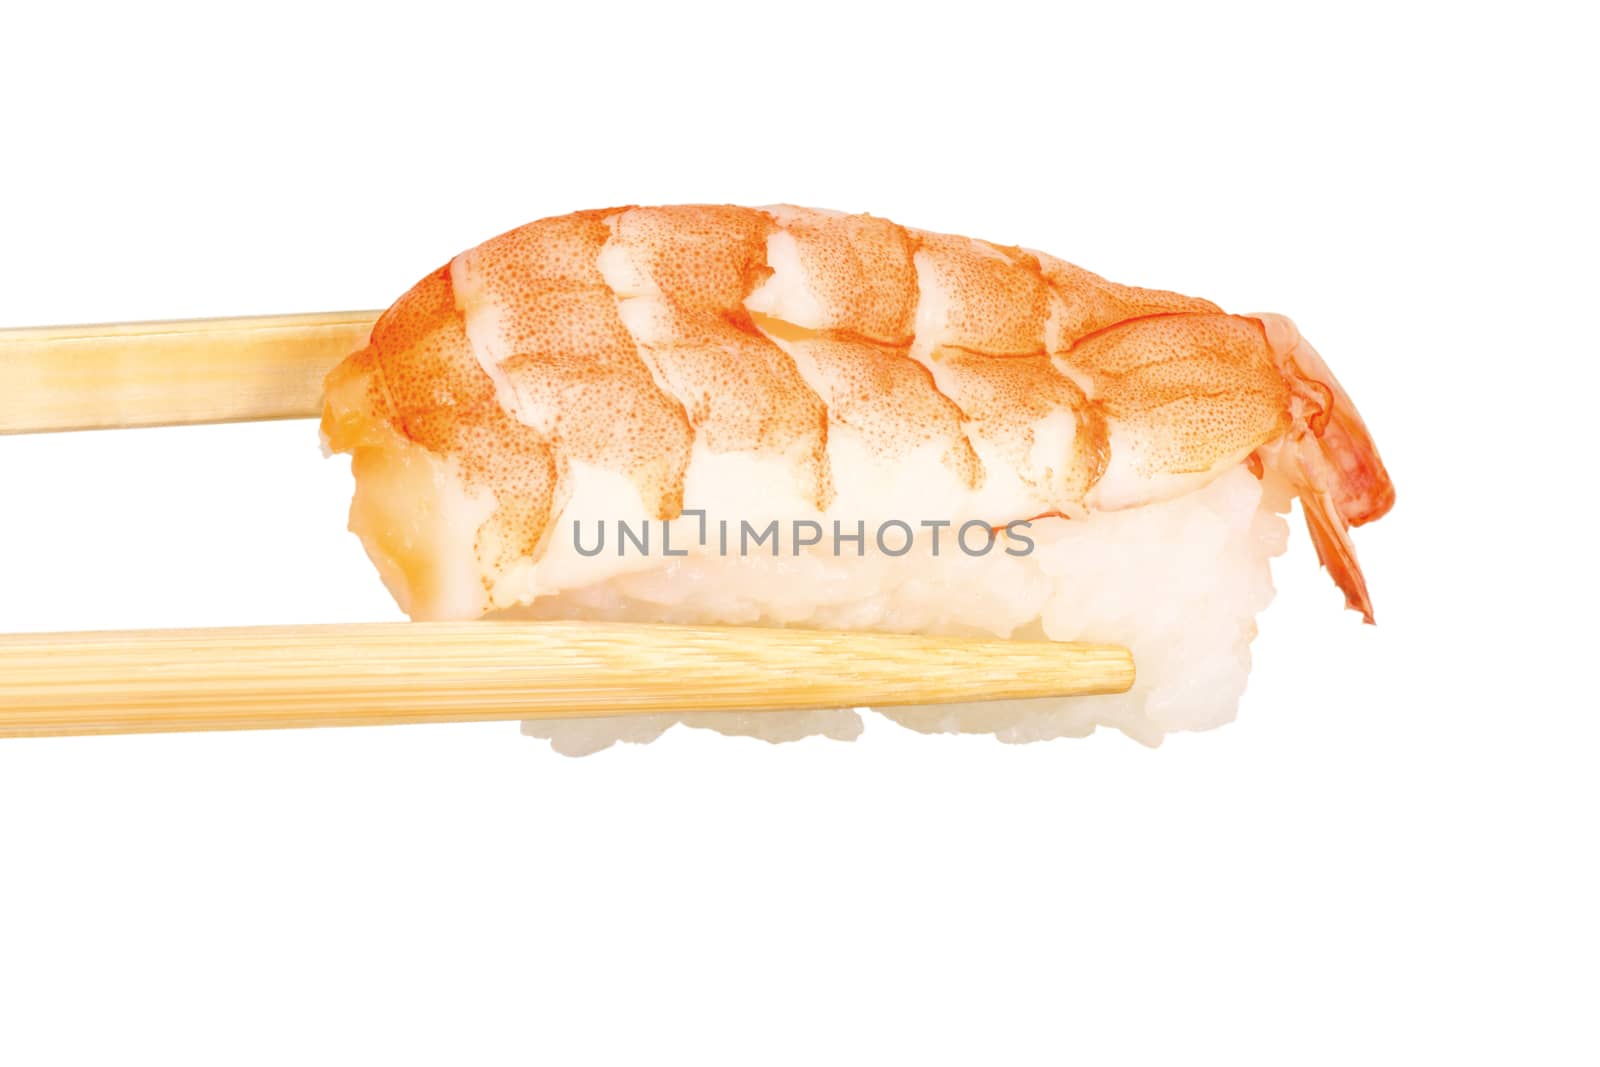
x: 791, y: 362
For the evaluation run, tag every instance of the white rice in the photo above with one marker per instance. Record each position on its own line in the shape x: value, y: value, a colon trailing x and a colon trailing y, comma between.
x: 1178, y: 582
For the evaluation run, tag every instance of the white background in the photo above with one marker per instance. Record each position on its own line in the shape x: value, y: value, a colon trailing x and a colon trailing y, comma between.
x: 1388, y: 858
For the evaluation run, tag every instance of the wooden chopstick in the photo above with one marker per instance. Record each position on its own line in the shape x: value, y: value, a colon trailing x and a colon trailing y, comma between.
x: 172, y: 373
x: 150, y: 681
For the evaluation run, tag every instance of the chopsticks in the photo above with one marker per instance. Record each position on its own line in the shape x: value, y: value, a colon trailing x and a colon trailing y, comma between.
x: 393, y: 673
x: 271, y: 367
x: 172, y: 373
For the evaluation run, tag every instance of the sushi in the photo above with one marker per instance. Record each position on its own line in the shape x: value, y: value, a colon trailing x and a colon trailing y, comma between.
x: 794, y: 417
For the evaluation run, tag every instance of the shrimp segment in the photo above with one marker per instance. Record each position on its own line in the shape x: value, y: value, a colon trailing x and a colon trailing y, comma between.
x: 431, y: 444
x: 1186, y: 394
x: 795, y: 362
x: 682, y: 276
x: 539, y: 314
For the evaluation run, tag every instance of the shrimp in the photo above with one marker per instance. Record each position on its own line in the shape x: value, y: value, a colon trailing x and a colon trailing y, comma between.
x: 787, y: 362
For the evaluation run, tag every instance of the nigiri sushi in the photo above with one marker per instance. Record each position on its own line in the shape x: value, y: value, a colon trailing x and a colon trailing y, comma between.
x: 787, y: 416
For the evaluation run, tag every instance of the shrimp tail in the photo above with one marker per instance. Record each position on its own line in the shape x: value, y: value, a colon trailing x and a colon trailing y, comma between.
x: 1329, y: 457
x: 1336, y: 551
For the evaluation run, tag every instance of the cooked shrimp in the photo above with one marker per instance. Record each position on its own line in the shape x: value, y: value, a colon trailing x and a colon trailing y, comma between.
x: 790, y: 362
